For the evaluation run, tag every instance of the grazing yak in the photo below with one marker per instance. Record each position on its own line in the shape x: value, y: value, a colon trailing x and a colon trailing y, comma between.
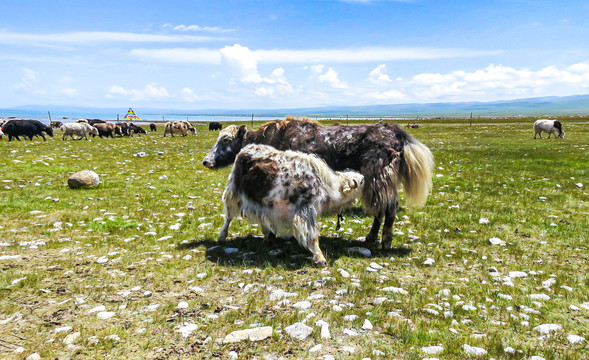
x: 285, y: 192
x: 55, y: 124
x: 81, y: 129
x: 214, y: 125
x: 152, y: 127
x: 384, y: 153
x: 136, y: 129
x: 106, y: 129
x: 26, y: 128
x: 179, y: 128
x: 549, y: 126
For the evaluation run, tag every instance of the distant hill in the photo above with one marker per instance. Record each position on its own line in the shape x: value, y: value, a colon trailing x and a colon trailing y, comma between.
x: 553, y: 105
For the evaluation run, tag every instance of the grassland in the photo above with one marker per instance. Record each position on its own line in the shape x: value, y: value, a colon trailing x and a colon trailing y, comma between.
x: 100, y: 273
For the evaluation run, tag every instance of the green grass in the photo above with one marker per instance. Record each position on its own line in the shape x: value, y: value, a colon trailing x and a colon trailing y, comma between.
x: 113, y: 246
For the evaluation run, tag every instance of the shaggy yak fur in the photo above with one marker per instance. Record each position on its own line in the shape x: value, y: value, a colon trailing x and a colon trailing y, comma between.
x: 285, y: 192
x: 384, y: 153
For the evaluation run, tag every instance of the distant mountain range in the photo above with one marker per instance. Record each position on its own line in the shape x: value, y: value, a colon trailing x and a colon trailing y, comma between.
x: 552, y: 105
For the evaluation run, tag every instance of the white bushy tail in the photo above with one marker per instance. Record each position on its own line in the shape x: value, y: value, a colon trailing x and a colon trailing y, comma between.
x: 417, y: 175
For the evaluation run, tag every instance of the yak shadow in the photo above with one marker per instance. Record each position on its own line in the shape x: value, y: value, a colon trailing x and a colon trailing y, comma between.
x: 285, y: 252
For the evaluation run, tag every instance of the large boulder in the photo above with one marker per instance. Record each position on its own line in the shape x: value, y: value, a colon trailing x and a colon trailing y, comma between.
x: 84, y: 178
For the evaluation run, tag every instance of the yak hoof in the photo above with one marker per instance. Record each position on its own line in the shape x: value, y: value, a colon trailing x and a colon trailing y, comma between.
x: 387, y: 242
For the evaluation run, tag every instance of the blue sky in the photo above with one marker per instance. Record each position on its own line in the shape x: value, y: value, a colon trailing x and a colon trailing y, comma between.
x: 181, y: 54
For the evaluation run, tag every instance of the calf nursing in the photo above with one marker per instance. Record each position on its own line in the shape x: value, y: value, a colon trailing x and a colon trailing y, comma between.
x: 285, y: 192
x: 384, y: 153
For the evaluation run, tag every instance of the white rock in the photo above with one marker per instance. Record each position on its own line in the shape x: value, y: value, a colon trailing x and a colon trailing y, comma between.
x: 367, y: 325
x: 473, y: 350
x: 496, y: 241
x: 429, y: 261
x: 63, y: 329
x: 233, y: 355
x: 324, y: 329
x: 468, y: 307
x: 71, y: 338
x: 395, y: 290
x: 579, y: 185
x: 536, y: 357
x: 547, y: 328
x: 174, y: 227
x: 298, y: 331
x: 483, y: 221
x: 182, y: 305
x: 104, y: 315
x: 34, y: 356
x: 539, y: 297
x: 432, y: 350
x: 316, y: 348
x: 186, y: 330
x: 585, y: 305
x: 97, y: 309
x: 113, y: 337
x: 517, y: 274
x: 350, y: 332
x: 281, y: 294
x: 302, y: 305
x: 575, y: 339
x: 509, y: 350
x: 196, y: 289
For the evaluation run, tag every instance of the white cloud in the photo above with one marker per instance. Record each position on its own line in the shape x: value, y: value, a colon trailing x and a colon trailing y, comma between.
x: 180, y: 55
x: 149, y: 92
x: 213, y: 29
x: 378, y: 75
x: 28, y: 77
x: 188, y: 95
x: 93, y: 37
x: 329, y: 77
x: 244, y: 60
x: 365, y: 54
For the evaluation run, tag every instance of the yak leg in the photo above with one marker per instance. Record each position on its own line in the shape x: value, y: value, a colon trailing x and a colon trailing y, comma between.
x: 269, y: 235
x: 387, y: 230
x: 224, y: 230
x: 318, y: 257
x: 373, y: 234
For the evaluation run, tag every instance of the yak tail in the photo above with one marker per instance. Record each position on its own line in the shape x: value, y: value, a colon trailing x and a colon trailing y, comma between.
x: 416, y: 174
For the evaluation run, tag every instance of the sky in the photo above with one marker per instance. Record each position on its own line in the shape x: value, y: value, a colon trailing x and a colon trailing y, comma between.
x: 191, y: 55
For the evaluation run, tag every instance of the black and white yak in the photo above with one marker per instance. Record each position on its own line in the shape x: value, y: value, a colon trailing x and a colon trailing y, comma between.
x: 286, y: 192
x: 549, y: 126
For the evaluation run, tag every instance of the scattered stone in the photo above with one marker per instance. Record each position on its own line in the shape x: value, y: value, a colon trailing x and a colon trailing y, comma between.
x: 302, y: 305
x: 367, y: 325
x: 324, y: 329
x: 104, y: 315
x: 97, y: 309
x: 281, y: 294
x: 496, y: 241
x: 579, y: 185
x: 432, y: 350
x: 585, y: 305
x: 517, y: 274
x: 483, y: 221
x: 395, y: 290
x: 34, y: 356
x: 84, y: 178
x: 473, y: 350
x: 255, y: 334
x: 71, y: 338
x: 575, y: 339
x: 429, y: 262
x: 186, y: 330
x: 547, y: 328
x: 539, y: 297
x: 298, y: 331
x: 182, y: 305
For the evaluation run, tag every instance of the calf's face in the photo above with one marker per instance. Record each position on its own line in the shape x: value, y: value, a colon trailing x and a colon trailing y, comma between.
x: 228, y: 145
x: 352, y: 185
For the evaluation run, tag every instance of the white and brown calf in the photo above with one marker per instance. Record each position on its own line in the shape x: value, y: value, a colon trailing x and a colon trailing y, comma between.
x: 549, y: 126
x: 286, y: 192
x: 81, y: 129
x: 179, y: 128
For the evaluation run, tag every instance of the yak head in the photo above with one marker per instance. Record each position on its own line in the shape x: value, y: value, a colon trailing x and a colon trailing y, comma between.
x: 228, y: 145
